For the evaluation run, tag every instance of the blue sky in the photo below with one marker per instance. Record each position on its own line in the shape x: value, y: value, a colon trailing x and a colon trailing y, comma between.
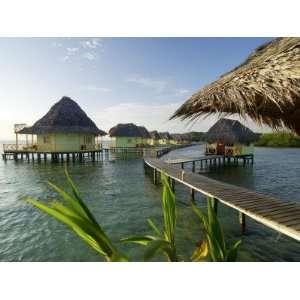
x: 141, y: 80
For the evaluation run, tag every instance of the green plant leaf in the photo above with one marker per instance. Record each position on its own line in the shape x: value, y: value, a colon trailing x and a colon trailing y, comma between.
x: 153, y: 247
x: 201, y: 252
x: 169, y: 209
x: 142, y: 240
x: 69, y: 222
x: 233, y: 252
x: 78, y: 198
x: 154, y: 227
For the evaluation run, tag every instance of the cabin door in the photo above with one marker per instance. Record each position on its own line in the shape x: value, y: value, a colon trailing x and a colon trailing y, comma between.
x: 220, y: 149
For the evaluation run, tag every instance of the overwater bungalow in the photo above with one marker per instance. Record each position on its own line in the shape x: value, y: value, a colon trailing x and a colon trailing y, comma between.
x: 65, y: 128
x: 177, y: 139
x: 126, y: 136
x: 155, y: 137
x: 164, y: 138
x: 145, y: 140
x: 230, y: 138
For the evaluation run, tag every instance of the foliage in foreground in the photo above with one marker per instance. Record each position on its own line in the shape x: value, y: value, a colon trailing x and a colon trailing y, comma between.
x: 74, y: 213
x: 278, y: 139
x: 163, y: 241
x: 214, y: 243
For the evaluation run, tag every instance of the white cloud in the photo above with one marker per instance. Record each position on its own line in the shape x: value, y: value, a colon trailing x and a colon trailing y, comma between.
x: 56, y: 45
x: 93, y: 88
x: 92, y: 43
x: 148, y: 82
x: 181, y: 92
x: 65, y: 58
x: 156, y: 117
x: 72, y: 50
x: 89, y: 56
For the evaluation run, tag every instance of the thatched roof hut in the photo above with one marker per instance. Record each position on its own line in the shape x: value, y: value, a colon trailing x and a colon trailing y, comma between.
x: 125, y: 130
x: 66, y: 116
x: 154, y: 135
x: 266, y: 87
x: 145, y: 133
x: 177, y: 137
x: 229, y: 131
x: 165, y: 135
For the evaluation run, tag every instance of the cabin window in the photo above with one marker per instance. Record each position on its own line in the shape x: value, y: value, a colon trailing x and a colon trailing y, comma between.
x: 87, y: 140
x: 129, y: 141
x: 46, y: 139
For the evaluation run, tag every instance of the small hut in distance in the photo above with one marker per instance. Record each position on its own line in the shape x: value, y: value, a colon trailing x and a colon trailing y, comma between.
x: 154, y: 140
x: 66, y: 127
x: 165, y: 138
x: 146, y: 137
x: 229, y: 138
x: 128, y: 135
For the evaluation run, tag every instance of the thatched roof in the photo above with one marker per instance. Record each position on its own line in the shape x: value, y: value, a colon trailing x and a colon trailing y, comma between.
x: 125, y: 130
x: 66, y: 116
x: 177, y: 137
x: 165, y: 135
x: 230, y: 132
x: 145, y: 133
x: 266, y: 87
x: 154, y: 135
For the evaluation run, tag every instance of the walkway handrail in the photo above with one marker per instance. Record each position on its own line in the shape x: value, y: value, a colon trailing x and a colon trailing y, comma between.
x: 283, y: 216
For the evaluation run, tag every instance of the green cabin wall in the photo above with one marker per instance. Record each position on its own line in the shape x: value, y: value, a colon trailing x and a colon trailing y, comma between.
x: 64, y: 142
x: 126, y: 142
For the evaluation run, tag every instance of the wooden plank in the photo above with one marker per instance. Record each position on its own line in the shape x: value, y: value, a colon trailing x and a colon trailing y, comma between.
x: 283, y: 216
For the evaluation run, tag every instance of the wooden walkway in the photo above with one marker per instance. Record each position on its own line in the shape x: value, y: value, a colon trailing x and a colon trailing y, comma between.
x: 211, y: 160
x: 93, y: 155
x: 282, y: 216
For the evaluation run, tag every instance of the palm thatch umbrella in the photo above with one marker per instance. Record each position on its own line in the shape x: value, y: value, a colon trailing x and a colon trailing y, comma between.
x: 228, y: 132
x: 266, y: 87
x: 66, y: 116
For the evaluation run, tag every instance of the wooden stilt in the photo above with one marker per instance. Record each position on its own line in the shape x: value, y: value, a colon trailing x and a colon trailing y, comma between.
x: 242, y: 220
x: 192, y: 194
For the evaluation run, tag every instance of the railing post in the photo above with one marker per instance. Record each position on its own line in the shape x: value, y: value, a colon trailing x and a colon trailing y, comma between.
x: 192, y: 194
x: 173, y: 185
x: 242, y: 220
x: 154, y: 176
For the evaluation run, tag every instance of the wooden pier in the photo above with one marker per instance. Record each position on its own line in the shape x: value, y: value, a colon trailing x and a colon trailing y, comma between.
x: 212, y: 160
x: 93, y: 155
x: 56, y: 156
x: 282, y: 216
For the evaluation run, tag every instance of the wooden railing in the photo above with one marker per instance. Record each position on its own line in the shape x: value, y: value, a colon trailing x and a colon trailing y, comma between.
x: 34, y: 147
x: 21, y: 147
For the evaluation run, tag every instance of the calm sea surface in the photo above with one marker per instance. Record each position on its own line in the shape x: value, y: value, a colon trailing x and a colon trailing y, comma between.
x: 122, y: 197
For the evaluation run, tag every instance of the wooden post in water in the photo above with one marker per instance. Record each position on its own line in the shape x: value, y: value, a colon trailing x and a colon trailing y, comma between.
x: 242, y: 219
x: 192, y: 194
x: 194, y: 167
x: 154, y: 176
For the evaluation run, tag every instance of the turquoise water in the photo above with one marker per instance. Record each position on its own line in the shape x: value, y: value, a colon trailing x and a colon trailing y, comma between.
x: 122, y: 197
